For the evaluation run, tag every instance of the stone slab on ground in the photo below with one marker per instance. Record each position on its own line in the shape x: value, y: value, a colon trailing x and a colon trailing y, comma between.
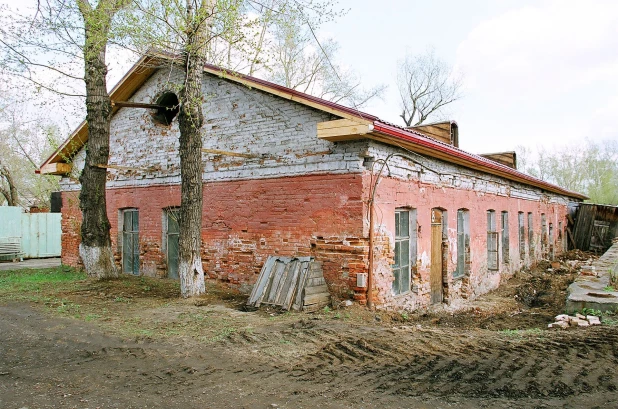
x: 590, y: 291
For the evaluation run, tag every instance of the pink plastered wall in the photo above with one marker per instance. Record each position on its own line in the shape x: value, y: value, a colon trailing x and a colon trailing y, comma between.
x: 392, y: 194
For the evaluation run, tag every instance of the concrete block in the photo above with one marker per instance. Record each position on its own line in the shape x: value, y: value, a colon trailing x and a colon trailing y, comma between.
x: 562, y: 317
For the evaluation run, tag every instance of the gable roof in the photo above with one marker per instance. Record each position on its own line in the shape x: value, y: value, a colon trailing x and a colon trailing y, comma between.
x: 360, y: 125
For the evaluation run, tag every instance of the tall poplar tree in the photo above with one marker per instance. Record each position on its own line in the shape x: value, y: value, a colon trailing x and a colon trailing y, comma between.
x: 46, y: 48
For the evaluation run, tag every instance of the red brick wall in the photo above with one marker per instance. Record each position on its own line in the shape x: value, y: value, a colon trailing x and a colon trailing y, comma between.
x: 395, y: 193
x: 246, y: 221
x: 71, y: 222
x: 323, y: 216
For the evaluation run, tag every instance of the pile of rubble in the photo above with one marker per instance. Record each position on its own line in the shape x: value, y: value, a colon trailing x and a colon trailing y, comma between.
x: 579, y: 320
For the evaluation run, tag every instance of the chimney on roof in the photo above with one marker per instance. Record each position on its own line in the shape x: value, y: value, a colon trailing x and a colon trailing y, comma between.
x: 446, y: 132
x: 504, y: 158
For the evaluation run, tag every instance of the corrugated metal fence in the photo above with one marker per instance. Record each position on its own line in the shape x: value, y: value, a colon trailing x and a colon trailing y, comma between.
x: 39, y: 233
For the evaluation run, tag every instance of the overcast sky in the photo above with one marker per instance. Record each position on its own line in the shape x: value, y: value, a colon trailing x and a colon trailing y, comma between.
x: 536, y: 72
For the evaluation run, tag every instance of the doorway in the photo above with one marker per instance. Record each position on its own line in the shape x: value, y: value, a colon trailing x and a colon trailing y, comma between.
x: 130, y: 241
x: 172, y: 242
x: 437, y: 256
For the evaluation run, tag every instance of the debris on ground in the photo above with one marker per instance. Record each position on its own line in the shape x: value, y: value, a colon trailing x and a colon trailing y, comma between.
x: 578, y: 320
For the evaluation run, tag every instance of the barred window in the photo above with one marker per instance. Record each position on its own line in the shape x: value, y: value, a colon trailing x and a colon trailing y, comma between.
x: 492, y: 241
x: 405, y: 250
x: 463, y: 243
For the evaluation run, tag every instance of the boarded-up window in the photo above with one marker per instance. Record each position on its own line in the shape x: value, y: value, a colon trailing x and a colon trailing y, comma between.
x: 405, y: 250
x: 463, y: 243
x: 492, y: 241
x: 130, y: 241
x: 505, y: 237
x: 522, y: 235
x: 530, y: 236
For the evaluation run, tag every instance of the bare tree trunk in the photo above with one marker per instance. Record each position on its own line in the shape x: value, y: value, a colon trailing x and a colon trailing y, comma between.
x: 10, y: 194
x: 190, y: 119
x: 95, y: 248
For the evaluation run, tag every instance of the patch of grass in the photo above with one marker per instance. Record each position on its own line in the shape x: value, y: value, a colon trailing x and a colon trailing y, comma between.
x: 609, y: 288
x: 520, y: 333
x: 29, y: 284
x: 611, y: 322
x: 591, y: 311
x: 222, y: 334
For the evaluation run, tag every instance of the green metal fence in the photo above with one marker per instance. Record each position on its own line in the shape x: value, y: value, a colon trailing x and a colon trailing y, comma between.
x: 39, y: 232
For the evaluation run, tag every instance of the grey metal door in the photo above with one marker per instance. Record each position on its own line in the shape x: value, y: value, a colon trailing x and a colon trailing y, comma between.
x: 130, y: 242
x: 172, y: 243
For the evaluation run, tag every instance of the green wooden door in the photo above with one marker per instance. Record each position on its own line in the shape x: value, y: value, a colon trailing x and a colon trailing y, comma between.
x: 172, y: 243
x: 130, y: 242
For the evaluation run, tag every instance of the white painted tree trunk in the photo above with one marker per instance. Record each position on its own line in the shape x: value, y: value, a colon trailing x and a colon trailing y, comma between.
x: 191, y: 277
x: 98, y: 261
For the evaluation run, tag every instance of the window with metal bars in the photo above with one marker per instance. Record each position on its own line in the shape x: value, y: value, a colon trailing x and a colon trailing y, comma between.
x: 130, y: 241
x: 522, y: 235
x: 530, y: 236
x: 505, y: 237
x: 544, y: 240
x: 171, y: 234
x: 463, y: 243
x: 492, y: 241
x: 405, y: 250
x: 551, y: 241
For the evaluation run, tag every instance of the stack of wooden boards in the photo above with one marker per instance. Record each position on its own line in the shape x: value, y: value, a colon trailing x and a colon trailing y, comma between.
x: 295, y: 283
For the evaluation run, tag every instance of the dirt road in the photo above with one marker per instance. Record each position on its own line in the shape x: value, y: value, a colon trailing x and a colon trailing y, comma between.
x: 135, y: 353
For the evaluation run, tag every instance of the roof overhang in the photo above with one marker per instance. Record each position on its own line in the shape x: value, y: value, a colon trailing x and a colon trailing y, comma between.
x: 419, y: 143
x: 126, y: 87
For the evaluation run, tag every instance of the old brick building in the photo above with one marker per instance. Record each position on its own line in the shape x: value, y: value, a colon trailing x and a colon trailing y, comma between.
x: 289, y: 174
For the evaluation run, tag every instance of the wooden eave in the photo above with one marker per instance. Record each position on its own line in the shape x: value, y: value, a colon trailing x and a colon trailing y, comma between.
x: 423, y: 145
x: 126, y: 87
x: 147, y: 65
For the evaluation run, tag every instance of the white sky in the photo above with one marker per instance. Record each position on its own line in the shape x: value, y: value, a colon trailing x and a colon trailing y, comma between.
x: 536, y: 73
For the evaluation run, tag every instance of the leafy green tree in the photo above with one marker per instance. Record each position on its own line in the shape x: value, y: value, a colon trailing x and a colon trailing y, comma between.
x: 55, y: 41
x: 229, y: 33
x: 590, y: 168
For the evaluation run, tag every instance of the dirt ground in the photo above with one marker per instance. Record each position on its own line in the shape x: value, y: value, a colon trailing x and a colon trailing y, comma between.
x: 132, y: 343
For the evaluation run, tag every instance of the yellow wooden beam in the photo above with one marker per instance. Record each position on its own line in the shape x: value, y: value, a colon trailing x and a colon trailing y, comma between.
x: 59, y: 168
x: 343, y: 130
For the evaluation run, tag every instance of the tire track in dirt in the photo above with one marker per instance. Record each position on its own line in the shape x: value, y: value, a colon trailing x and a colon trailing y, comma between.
x: 442, y: 363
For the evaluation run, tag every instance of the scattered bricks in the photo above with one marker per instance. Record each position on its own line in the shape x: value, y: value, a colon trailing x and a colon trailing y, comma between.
x: 588, y: 271
x: 562, y: 317
x: 580, y: 316
x: 593, y: 320
x: 583, y: 323
x: 559, y: 324
x: 574, y: 322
